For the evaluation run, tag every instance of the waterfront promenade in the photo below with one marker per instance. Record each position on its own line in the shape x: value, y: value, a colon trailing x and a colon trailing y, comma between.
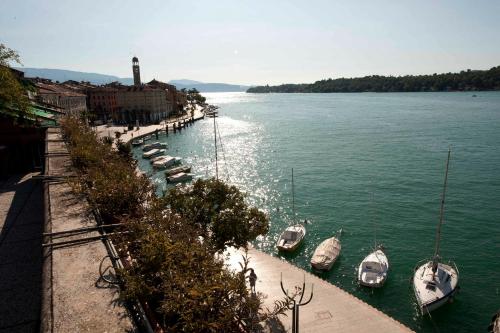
x: 109, y: 131
x: 331, y: 308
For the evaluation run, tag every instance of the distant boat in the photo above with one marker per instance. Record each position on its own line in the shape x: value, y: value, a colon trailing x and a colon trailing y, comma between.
x: 291, y: 238
x: 153, y: 153
x: 373, y: 270
x: 146, y: 138
x: 137, y: 142
x: 173, y: 171
x: 434, y: 282
x: 180, y: 177
x: 326, y: 253
x: 154, y: 145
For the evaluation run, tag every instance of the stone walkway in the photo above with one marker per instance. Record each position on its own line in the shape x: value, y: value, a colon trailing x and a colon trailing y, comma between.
x: 74, y: 298
x: 331, y: 309
x: 21, y: 223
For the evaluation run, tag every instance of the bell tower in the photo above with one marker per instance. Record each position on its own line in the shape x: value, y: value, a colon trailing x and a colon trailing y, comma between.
x: 136, y: 71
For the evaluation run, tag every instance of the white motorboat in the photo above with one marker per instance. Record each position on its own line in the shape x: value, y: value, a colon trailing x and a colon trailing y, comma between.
x: 153, y: 153
x: 435, y: 283
x: 326, y: 254
x: 157, y: 145
x: 291, y: 238
x: 164, y: 162
x: 173, y: 171
x: 147, y: 137
x: 180, y: 177
x: 137, y: 142
x: 373, y: 270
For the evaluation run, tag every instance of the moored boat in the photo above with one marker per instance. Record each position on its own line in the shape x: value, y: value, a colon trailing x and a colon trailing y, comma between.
x: 137, y: 142
x: 154, y: 145
x: 291, y: 238
x: 436, y: 283
x: 173, y: 171
x: 180, y: 177
x: 153, y: 152
x: 164, y: 162
x: 373, y: 270
x: 326, y: 254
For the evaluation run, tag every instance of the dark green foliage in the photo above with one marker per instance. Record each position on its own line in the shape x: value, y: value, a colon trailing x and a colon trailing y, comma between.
x: 108, y: 179
x: 13, y: 97
x: 464, y: 81
x: 194, y: 95
x: 219, y: 211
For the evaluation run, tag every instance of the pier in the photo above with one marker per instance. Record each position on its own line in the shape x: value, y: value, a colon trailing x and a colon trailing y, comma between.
x: 331, y: 309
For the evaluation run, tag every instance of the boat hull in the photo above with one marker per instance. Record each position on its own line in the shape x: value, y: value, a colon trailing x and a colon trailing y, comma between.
x: 373, y: 270
x: 290, y: 245
x: 431, y: 293
x: 326, y: 254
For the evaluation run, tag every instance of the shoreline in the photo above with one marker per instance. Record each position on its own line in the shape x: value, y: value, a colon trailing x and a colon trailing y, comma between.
x: 127, y: 136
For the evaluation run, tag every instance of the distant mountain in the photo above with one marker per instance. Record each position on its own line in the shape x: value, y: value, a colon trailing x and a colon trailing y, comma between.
x: 62, y: 75
x: 185, y: 82
x: 208, y: 87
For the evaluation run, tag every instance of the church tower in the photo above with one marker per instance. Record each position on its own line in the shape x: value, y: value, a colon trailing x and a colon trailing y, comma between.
x: 135, y: 70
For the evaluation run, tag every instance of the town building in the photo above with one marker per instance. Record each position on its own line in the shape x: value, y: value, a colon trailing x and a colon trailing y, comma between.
x: 71, y: 101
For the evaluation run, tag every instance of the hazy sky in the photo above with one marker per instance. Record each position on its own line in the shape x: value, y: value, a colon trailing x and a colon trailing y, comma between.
x: 254, y: 42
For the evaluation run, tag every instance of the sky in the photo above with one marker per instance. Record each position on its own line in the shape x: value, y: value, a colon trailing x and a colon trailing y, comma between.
x: 251, y: 41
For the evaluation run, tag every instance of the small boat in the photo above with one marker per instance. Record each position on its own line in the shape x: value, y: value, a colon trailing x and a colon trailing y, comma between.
x: 372, y: 271
x: 435, y: 283
x: 164, y: 162
x: 291, y: 238
x: 171, y: 172
x: 147, y: 137
x: 154, y: 145
x: 180, y: 177
x: 153, y: 153
x: 326, y: 254
x: 137, y: 142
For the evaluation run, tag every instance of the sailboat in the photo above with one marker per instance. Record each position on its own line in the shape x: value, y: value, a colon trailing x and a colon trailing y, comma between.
x: 373, y: 270
x: 291, y: 238
x: 435, y: 283
x: 326, y: 253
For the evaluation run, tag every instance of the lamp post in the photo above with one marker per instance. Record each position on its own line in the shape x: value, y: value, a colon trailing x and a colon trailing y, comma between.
x: 295, y: 305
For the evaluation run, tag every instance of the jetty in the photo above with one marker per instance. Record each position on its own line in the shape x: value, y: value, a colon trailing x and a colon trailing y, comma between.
x: 331, y: 308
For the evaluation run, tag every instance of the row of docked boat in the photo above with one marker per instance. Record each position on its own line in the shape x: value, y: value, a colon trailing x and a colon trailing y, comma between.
x: 434, y: 282
x: 155, y: 152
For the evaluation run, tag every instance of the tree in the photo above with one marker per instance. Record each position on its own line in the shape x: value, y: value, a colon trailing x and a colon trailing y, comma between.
x: 220, y: 213
x: 12, y: 92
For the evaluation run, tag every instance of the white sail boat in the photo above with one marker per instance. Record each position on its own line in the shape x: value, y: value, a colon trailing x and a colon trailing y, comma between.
x: 434, y: 282
x: 291, y: 238
x: 373, y: 270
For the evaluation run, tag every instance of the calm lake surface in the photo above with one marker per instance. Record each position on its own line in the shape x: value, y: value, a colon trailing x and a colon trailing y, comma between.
x: 372, y: 164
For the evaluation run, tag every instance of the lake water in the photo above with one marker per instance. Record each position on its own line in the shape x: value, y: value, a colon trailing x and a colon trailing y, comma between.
x: 372, y: 164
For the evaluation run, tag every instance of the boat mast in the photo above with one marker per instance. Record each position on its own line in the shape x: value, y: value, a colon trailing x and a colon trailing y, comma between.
x: 293, y: 199
x: 441, y: 214
x: 216, y: 164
